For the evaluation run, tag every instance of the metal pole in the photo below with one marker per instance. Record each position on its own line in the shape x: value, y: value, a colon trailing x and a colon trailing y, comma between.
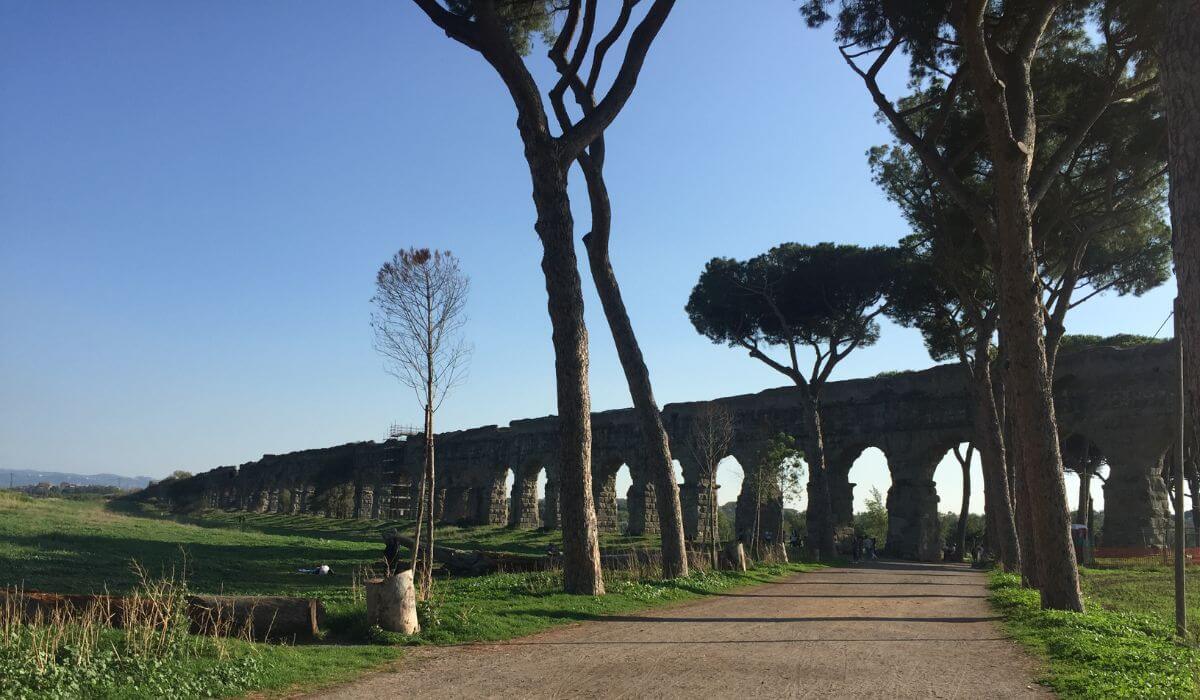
x: 1180, y: 609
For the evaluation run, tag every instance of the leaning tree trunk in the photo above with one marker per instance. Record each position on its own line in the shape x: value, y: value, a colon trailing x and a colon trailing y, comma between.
x: 656, y: 445
x: 989, y: 439
x: 820, y: 509
x: 581, y: 547
x: 1180, y: 61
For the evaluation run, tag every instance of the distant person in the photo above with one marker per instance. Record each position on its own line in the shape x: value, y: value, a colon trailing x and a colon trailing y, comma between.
x: 871, y: 547
x: 322, y: 570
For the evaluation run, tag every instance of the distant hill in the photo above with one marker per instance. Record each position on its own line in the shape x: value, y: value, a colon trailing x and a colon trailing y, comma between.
x: 30, y: 477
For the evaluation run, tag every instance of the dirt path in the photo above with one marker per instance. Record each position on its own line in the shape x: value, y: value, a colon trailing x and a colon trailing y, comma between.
x: 884, y: 630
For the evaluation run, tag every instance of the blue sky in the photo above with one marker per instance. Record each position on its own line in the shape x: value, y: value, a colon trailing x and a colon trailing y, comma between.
x: 194, y: 197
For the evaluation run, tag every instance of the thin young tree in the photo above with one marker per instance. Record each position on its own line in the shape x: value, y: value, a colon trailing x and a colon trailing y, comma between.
x: 964, y: 461
x: 420, y: 311
x: 501, y: 32
x: 709, y: 439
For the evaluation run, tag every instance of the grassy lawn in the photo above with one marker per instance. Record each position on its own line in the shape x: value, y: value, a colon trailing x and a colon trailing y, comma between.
x: 85, y: 547
x: 1122, y: 647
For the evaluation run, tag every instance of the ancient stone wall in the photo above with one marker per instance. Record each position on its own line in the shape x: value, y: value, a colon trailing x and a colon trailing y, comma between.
x: 1119, y: 400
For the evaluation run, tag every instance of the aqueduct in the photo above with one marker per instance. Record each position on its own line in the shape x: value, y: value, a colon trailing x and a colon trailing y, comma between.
x: 1119, y: 400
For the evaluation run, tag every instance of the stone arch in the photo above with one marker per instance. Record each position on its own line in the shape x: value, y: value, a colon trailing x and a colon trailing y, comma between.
x: 912, y: 500
x: 769, y: 512
x: 840, y: 460
x: 1085, y: 469
x: 1136, y: 499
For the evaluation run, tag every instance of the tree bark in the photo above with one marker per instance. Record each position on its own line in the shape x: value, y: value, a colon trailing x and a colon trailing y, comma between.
x: 965, y: 510
x: 1036, y: 434
x: 581, y: 548
x: 656, y: 445
x: 820, y: 508
x: 1085, y: 496
x: 989, y: 439
x: 1004, y: 88
x: 392, y: 603
x: 1180, y: 61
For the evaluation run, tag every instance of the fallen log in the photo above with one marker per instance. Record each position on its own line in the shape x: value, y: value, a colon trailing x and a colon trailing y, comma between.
x: 477, y: 562
x: 261, y: 617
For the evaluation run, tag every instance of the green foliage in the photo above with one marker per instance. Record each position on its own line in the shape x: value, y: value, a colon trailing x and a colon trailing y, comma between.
x: 814, y: 295
x: 523, y: 19
x: 1073, y: 342
x: 782, y: 469
x: 873, y: 522
x: 1102, y: 653
x: 948, y: 525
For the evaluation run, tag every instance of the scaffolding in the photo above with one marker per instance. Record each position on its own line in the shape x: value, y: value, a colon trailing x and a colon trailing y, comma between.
x: 398, y: 431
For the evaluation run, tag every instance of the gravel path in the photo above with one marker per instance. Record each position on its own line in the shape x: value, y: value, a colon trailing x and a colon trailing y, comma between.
x: 881, y: 630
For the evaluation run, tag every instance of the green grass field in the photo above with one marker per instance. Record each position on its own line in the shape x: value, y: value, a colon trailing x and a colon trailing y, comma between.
x: 1123, y: 646
x: 89, y: 546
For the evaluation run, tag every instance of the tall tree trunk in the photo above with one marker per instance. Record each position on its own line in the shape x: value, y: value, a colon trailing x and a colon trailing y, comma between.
x: 1023, y: 516
x: 1032, y: 408
x: 581, y: 547
x: 1004, y: 89
x: 1085, y: 495
x: 657, y: 447
x: 820, y: 508
x: 964, y: 511
x: 1180, y: 61
x: 989, y: 438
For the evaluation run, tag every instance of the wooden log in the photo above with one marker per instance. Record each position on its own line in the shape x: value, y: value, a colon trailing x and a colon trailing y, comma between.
x: 392, y: 603
x: 264, y: 617
x: 274, y: 617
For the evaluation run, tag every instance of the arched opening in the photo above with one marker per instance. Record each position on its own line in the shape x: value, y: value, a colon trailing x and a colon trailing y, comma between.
x: 1085, y: 471
x: 543, y: 478
x: 958, y: 481
x: 860, y: 501
x: 624, y: 498
x: 729, y: 485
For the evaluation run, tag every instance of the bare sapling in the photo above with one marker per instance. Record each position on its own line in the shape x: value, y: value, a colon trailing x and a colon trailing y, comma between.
x: 709, y: 441
x: 420, y: 311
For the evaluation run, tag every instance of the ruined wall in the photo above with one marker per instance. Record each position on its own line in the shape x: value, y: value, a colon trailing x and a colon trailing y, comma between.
x: 1120, y: 400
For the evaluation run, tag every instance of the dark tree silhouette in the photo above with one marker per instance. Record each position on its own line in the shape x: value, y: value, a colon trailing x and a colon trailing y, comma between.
x: 823, y: 297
